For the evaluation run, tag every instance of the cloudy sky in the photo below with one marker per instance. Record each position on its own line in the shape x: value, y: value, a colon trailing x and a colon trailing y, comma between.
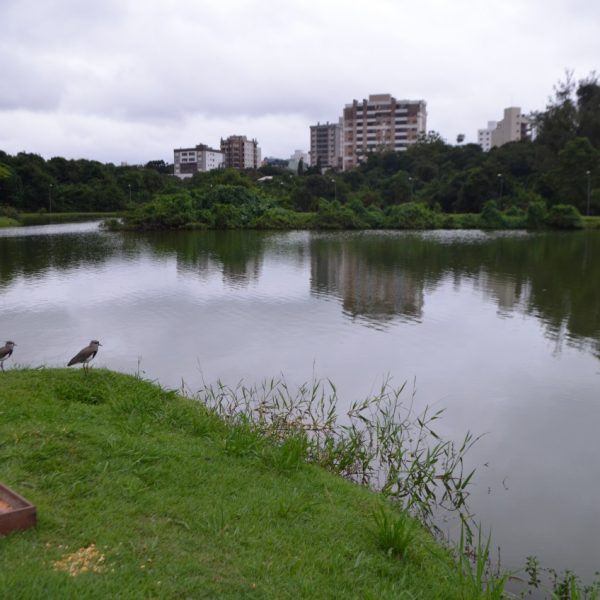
x: 129, y: 80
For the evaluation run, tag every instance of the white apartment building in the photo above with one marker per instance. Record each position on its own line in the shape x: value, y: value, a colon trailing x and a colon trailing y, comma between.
x: 188, y: 161
x: 484, y: 136
x: 380, y: 123
x: 512, y: 128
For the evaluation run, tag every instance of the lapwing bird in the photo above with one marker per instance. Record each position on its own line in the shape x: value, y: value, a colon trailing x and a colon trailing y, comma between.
x: 5, y: 352
x: 86, y: 354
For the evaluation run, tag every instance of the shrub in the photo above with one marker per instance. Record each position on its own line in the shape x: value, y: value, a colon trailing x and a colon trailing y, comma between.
x: 412, y: 215
x: 236, y: 195
x: 491, y: 217
x: 280, y: 218
x: 228, y: 216
x: 564, y: 216
x: 332, y: 215
x: 394, y: 533
x: 536, y: 214
x: 9, y: 212
x: 165, y: 211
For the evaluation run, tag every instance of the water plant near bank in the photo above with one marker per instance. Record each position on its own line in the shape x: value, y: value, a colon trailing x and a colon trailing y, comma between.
x: 381, y: 441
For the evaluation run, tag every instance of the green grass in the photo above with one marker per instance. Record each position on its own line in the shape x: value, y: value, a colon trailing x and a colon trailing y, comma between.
x: 591, y: 222
x: 7, y: 222
x: 181, y: 505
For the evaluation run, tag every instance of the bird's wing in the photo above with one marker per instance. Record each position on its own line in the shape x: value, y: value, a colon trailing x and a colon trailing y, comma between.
x: 80, y: 356
x: 5, y: 352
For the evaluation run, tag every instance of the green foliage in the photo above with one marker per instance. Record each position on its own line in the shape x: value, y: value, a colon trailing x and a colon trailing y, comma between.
x: 9, y: 212
x: 229, y: 216
x: 491, y: 217
x: 536, y: 215
x: 564, y: 216
x: 169, y: 495
x: 165, y: 211
x: 395, y: 533
x: 282, y: 218
x: 235, y: 195
x: 476, y: 580
x: 380, y: 442
x: 8, y: 222
x: 332, y: 215
x: 412, y: 215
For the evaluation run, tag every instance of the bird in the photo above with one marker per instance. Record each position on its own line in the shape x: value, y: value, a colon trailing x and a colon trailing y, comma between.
x: 5, y: 352
x: 86, y: 354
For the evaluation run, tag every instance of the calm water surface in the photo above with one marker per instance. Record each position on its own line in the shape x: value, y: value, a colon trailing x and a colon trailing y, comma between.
x: 502, y: 330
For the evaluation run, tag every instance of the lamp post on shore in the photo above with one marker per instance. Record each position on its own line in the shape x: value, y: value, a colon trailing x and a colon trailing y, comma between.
x: 589, y: 191
x: 501, y: 180
x: 411, y: 188
x: 129, y: 186
x: 50, y: 198
x: 334, y: 189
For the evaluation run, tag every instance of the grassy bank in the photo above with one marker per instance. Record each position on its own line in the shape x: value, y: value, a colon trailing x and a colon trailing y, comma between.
x: 141, y: 493
x: 8, y: 222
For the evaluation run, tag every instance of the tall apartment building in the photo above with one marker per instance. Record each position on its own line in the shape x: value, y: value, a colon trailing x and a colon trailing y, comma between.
x: 512, y: 128
x: 188, y: 161
x: 484, y: 136
x: 240, y: 152
x: 325, y: 145
x: 380, y: 123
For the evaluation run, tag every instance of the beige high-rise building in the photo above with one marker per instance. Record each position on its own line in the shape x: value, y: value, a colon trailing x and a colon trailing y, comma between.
x: 240, y: 152
x: 325, y: 145
x: 380, y: 123
x: 512, y: 128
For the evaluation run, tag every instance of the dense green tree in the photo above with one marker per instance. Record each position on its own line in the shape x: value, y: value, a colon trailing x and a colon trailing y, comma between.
x: 588, y: 108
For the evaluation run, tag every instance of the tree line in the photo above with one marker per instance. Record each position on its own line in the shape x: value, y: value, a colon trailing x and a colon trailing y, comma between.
x: 560, y: 166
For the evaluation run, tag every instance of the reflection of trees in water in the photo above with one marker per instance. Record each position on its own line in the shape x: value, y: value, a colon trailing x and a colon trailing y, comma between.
x: 237, y: 254
x: 379, y: 276
x: 26, y: 256
x: 550, y: 276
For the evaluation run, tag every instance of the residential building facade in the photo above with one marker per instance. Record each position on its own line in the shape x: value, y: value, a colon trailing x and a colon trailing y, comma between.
x: 188, y: 161
x: 240, y: 152
x: 512, y: 128
x: 325, y: 145
x: 380, y: 123
x: 295, y: 159
x: 484, y: 136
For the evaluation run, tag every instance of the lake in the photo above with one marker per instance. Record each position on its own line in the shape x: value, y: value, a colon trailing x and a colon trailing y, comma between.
x: 500, y: 329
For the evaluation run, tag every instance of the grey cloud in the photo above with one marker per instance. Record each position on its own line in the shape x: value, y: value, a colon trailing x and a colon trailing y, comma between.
x: 156, y: 69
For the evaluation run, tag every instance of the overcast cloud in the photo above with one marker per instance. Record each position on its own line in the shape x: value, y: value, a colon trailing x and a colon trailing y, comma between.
x: 130, y: 80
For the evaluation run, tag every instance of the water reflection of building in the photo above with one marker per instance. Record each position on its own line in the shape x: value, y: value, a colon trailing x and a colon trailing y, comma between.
x: 366, y: 289
x: 508, y: 292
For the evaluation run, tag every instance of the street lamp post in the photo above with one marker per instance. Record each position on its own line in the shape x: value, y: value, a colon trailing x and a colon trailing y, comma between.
x: 589, y: 191
x: 501, y: 180
x: 411, y: 188
x: 50, y: 198
x: 334, y: 189
x: 129, y: 186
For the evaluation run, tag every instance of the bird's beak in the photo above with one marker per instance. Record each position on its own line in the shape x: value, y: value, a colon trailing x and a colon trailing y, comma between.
x: 99, y: 344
